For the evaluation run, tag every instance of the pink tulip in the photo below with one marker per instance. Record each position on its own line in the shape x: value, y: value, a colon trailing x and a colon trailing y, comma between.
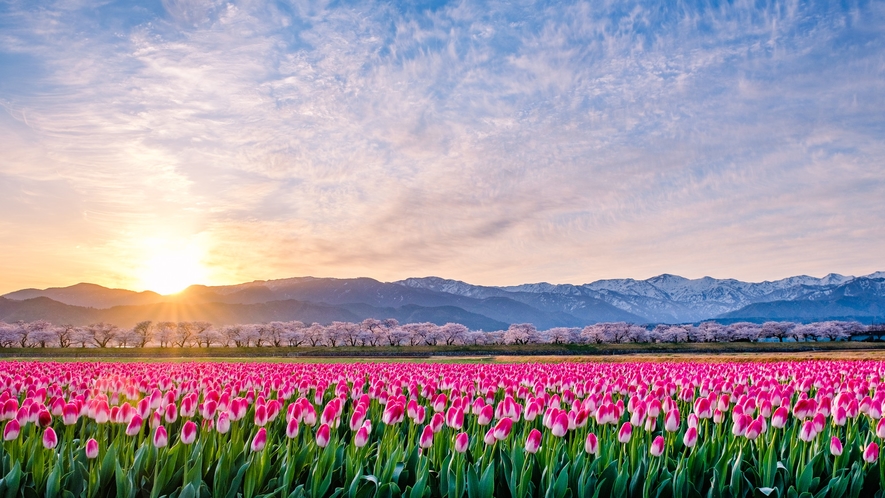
x: 161, y: 439
x: 835, y: 446
x: 70, y: 413
x: 807, y: 432
x: 489, y: 438
x: 671, y: 420
x: 462, y: 440
x: 102, y: 412
x: 533, y: 441
x: 871, y: 453
x: 754, y: 429
x: 880, y: 429
x: 91, y: 449
x: 625, y: 433
x: 188, y: 432
x: 455, y: 418
x: 260, y: 416
x: 691, y: 437
x: 485, y: 415
x: 222, y: 424
x: 134, y: 426
x: 260, y: 440
x: 361, y: 438
x: 170, y: 415
x: 44, y: 418
x: 560, y: 424
x: 779, y: 417
x: 591, y: 444
x: 657, y: 446
x: 324, y: 434
x: 502, y: 428
x: 393, y: 414
x: 840, y: 417
x: 11, y: 431
x: 50, y: 440
x: 292, y: 429
x: 426, y: 440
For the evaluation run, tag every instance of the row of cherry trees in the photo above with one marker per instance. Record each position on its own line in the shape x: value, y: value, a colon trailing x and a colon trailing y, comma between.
x: 373, y: 332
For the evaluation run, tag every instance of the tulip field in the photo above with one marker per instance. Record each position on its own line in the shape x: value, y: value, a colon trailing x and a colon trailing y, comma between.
x: 795, y: 429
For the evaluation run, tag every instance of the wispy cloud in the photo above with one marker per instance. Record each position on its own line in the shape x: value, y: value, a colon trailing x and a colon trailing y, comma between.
x: 496, y: 142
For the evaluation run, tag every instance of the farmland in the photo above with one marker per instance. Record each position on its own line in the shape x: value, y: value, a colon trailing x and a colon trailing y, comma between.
x: 566, y: 428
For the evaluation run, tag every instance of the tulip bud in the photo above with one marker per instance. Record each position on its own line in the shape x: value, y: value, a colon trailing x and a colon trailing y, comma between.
x: 485, y: 415
x: 222, y: 424
x: 462, y: 440
x: 161, y: 439
x: 503, y: 427
x: 188, y: 432
x: 70, y: 413
x: 691, y: 437
x: 44, y: 418
x: 835, y: 446
x: 533, y: 441
x: 426, y: 440
x: 560, y: 424
x: 671, y: 420
x: 871, y: 453
x: 292, y: 429
x: 625, y: 433
x: 170, y: 414
x: 134, y: 426
x: 657, y: 446
x: 91, y: 449
x: 807, y: 432
x: 11, y: 431
x: 324, y: 434
x: 260, y: 440
x: 50, y: 440
x: 591, y: 444
x: 489, y: 438
x: 754, y: 429
x: 361, y: 438
x: 779, y: 417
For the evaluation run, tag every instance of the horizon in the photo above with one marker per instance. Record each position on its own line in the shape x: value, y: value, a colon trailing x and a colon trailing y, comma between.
x: 203, y: 142
x: 4, y: 292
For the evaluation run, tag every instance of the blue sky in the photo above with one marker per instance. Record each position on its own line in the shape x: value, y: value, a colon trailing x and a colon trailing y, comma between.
x: 493, y: 142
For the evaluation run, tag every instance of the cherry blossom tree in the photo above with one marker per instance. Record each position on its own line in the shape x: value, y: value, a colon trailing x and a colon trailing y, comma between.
x: 522, y: 333
x: 102, y: 333
x: 143, y: 333
x: 453, y: 333
x: 315, y: 334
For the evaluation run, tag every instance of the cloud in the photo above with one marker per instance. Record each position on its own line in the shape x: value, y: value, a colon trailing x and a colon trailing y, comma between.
x: 494, y: 142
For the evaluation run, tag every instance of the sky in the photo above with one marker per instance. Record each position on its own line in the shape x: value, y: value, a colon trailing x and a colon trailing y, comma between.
x: 153, y: 144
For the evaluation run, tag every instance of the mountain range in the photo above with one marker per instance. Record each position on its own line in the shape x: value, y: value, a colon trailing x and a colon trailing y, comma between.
x: 661, y: 299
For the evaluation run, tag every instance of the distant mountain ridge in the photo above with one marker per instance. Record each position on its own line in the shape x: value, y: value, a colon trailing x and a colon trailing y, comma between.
x: 662, y: 299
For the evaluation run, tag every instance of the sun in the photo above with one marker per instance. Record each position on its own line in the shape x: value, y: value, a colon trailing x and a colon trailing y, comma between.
x: 170, y: 271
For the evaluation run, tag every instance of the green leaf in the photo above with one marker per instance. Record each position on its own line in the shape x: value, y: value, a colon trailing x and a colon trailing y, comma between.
x: 53, y: 482
x: 487, y: 483
x: 188, y: 492
x: 560, y: 487
x: 237, y: 481
x: 12, y: 481
x: 735, y: 484
x: 472, y: 483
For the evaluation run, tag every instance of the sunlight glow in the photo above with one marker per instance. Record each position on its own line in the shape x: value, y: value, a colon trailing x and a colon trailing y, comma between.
x: 169, y: 271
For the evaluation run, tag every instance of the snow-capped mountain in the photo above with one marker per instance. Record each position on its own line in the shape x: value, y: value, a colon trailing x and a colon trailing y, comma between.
x: 661, y: 299
x: 675, y: 299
